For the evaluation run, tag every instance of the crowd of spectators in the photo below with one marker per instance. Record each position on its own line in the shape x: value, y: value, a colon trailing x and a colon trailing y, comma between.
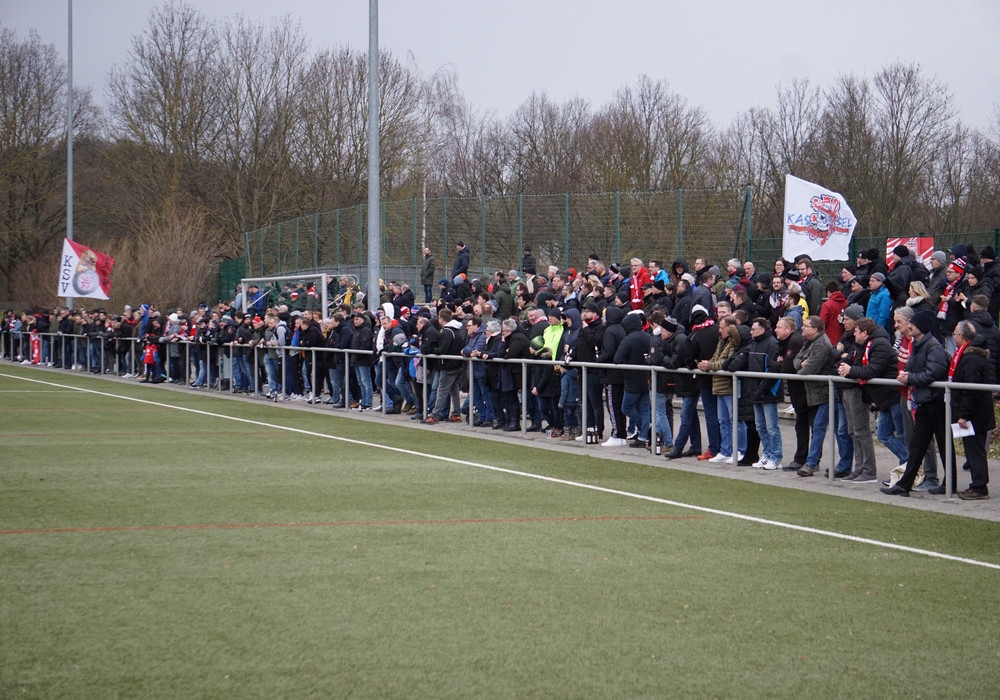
x: 894, y: 319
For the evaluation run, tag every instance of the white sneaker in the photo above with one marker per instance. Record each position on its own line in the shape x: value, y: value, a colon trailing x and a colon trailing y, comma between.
x: 579, y: 438
x: 742, y: 455
x: 762, y: 463
x: 773, y: 465
x: 790, y: 409
x: 614, y: 442
x: 721, y: 459
x: 632, y: 434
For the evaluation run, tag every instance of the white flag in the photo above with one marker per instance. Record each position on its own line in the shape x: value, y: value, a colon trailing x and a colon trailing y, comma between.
x: 818, y: 222
x: 84, y: 272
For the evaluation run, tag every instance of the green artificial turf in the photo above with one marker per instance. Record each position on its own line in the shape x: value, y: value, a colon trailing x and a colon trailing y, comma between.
x: 177, y: 554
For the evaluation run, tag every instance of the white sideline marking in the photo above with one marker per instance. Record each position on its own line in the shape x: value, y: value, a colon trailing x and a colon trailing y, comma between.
x: 540, y: 477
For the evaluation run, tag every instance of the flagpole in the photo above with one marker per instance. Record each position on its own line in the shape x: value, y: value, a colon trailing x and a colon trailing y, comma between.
x: 69, y: 138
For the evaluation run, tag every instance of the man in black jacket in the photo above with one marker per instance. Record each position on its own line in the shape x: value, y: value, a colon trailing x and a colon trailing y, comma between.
x: 588, y: 349
x: 670, y: 352
x: 612, y: 379
x: 928, y: 363
x: 870, y: 357
x: 972, y: 364
x: 633, y: 350
x: 451, y: 340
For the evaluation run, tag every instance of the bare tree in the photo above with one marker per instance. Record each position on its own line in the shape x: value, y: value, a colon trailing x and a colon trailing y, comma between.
x: 33, y: 157
x: 259, y: 87
x: 165, y: 109
x: 547, y: 144
x: 650, y: 138
x: 334, y: 121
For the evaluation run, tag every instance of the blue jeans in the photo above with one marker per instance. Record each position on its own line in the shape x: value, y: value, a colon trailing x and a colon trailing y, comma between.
x: 241, y: 373
x: 725, y: 412
x: 636, y: 407
x: 845, y: 446
x: 201, y: 366
x: 364, y: 376
x: 95, y: 355
x: 766, y: 417
x: 664, y: 419
x: 484, y: 402
x: 402, y: 383
x: 890, y: 432
x: 291, y: 383
x: 272, y: 365
x: 709, y: 404
x: 819, y: 426
x: 569, y: 398
x: 690, y: 426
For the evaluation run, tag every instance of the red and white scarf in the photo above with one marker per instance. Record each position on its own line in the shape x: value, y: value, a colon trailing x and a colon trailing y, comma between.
x: 955, y: 359
x: 864, y: 361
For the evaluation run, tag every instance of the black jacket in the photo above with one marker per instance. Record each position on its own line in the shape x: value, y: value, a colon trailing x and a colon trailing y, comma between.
x: 756, y: 356
x: 882, y: 363
x: 975, y: 367
x: 614, y: 333
x: 633, y: 351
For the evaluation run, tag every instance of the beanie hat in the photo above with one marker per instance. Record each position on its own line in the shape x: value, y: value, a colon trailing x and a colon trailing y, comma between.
x: 923, y: 320
x: 669, y: 324
x: 940, y: 256
x: 901, y: 251
x: 988, y: 253
x: 958, y: 265
x: 854, y: 312
x: 959, y: 250
x: 878, y: 276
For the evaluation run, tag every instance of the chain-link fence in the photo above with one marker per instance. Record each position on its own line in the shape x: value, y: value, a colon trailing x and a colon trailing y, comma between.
x: 765, y: 250
x: 562, y: 230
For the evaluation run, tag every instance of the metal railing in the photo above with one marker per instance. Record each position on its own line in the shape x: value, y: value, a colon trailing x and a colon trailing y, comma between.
x: 13, y: 342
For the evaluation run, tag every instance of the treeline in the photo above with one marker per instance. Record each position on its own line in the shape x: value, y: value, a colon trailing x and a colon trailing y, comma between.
x: 209, y: 130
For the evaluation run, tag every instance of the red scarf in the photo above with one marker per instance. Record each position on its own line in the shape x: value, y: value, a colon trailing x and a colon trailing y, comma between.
x: 864, y: 361
x: 955, y: 359
x: 704, y: 324
x: 949, y: 292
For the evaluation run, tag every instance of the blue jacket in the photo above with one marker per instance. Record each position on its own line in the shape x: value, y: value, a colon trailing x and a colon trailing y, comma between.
x: 880, y: 308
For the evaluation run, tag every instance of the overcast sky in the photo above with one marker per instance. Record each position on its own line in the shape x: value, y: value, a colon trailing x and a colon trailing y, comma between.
x: 724, y: 56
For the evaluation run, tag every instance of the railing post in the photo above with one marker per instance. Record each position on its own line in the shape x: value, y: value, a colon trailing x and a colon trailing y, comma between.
x: 832, y: 428
x: 736, y: 419
x: 949, y: 446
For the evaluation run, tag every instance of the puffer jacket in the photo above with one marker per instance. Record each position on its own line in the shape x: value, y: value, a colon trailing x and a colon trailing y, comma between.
x: 816, y: 357
x: 633, y: 351
x: 729, y: 342
x: 757, y: 356
x: 975, y: 367
x: 928, y: 363
x: 881, y: 364
x: 613, y: 336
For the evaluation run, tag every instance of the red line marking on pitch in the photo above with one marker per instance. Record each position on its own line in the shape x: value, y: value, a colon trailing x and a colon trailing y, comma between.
x: 356, y: 523
x: 131, y: 434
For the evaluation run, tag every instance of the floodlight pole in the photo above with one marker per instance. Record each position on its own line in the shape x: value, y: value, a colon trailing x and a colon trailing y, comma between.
x: 69, y: 137
x: 374, y: 208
